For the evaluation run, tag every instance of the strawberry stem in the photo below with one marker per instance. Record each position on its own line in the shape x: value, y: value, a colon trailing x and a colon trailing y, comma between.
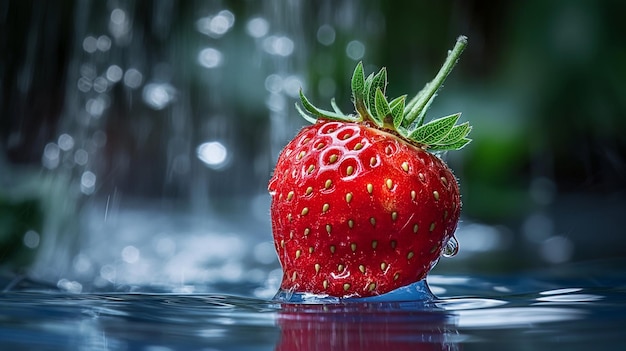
x: 417, y: 106
x: 407, y: 121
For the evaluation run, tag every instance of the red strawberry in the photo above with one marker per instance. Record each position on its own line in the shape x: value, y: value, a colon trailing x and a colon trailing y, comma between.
x: 359, y: 205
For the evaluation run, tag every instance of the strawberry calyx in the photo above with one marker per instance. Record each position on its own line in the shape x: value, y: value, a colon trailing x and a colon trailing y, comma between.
x: 405, y: 119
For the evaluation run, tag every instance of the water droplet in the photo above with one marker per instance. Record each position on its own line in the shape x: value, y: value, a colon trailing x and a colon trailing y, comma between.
x: 210, y: 58
x: 326, y: 35
x: 278, y: 45
x: 451, y: 248
x: 133, y: 78
x: 114, y: 73
x: 158, y: 95
x: 88, y: 182
x: 90, y: 44
x: 355, y: 50
x: 213, y: 153
x: 103, y: 43
x: 50, y: 158
x: 31, y: 239
x: 257, y: 27
x: 65, y: 142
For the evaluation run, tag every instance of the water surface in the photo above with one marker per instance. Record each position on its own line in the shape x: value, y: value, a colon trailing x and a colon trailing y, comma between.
x: 575, y: 307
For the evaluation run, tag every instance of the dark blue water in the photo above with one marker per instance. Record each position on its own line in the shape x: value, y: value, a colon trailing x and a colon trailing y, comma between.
x: 574, y: 307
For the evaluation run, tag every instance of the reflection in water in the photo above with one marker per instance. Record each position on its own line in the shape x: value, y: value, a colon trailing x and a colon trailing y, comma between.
x: 365, y: 326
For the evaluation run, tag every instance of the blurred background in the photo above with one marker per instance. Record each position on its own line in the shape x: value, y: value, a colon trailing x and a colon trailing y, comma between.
x: 137, y: 137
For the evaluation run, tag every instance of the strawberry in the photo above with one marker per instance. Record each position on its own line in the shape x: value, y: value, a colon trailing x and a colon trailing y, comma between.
x: 360, y: 205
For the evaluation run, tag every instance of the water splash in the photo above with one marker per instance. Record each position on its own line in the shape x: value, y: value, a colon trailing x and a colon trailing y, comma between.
x: 416, y: 292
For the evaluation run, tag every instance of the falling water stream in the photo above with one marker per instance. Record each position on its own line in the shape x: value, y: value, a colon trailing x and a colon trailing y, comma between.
x: 155, y: 231
x: 173, y: 116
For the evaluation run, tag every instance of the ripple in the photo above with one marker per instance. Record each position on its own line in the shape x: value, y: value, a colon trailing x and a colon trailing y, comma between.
x: 570, y: 298
x: 512, y: 317
x: 469, y: 304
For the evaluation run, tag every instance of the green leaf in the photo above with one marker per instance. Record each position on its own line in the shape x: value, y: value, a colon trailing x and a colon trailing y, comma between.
x: 433, y: 131
x: 358, y: 89
x: 335, y: 107
x: 366, y: 89
x: 449, y: 147
x: 383, y: 111
x: 304, y: 115
x: 316, y: 112
x: 378, y: 82
x: 397, y: 110
x: 456, y: 133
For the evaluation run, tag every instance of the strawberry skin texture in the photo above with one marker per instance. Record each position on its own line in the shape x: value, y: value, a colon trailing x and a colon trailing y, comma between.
x: 357, y: 211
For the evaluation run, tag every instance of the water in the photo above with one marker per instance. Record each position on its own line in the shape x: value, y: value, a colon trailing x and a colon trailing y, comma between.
x: 574, y: 308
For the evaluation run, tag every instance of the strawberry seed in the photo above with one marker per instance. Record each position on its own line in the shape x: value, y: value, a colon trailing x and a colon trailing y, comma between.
x: 389, y: 183
x: 349, y: 170
x: 325, y: 208
x: 348, y: 197
x: 405, y: 166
